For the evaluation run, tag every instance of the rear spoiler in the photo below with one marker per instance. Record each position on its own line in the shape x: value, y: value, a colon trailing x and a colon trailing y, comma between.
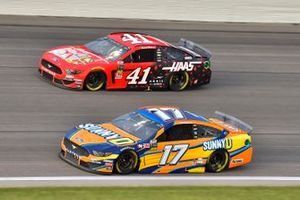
x: 196, y: 48
x: 233, y: 121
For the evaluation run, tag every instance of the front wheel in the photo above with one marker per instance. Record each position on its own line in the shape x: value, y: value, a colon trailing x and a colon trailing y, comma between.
x: 218, y: 161
x: 95, y: 81
x: 127, y: 162
x: 178, y: 81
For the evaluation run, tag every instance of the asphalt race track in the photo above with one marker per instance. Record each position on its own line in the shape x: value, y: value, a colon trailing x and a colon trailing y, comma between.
x: 256, y: 77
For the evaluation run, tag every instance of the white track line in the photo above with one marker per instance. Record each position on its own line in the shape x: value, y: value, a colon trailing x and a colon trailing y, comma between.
x: 153, y: 178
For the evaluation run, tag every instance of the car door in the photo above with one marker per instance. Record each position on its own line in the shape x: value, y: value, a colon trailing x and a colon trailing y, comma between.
x: 180, y: 147
x: 136, y: 68
x: 174, y: 147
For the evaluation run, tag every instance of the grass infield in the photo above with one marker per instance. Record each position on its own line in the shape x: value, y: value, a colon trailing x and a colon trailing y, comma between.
x: 151, y: 193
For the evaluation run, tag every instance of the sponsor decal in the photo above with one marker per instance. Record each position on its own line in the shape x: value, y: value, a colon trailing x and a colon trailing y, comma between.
x: 153, y: 144
x: 76, y: 156
x: 121, y: 141
x: 182, y: 66
x: 79, y: 139
x: 73, y: 56
x: 109, y: 164
x: 69, y: 76
x: 98, y: 162
x: 237, y: 161
x: 78, y: 80
x: 217, y: 144
x: 108, y: 161
x: 157, y: 81
x: 119, y: 74
x: 206, y: 64
x: 144, y: 146
x: 158, y: 55
x: 109, y: 135
x: 148, y: 47
x: 200, y: 161
x: 93, y: 128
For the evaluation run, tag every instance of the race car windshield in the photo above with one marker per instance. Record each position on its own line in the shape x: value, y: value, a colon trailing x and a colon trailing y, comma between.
x: 137, y: 125
x: 107, y: 48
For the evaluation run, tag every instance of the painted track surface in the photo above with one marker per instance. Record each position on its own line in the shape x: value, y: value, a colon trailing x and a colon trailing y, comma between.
x: 256, y: 77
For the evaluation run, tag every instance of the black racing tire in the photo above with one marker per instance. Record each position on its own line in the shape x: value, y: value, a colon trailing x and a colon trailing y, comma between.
x: 218, y: 161
x: 127, y: 162
x: 178, y: 81
x: 95, y: 81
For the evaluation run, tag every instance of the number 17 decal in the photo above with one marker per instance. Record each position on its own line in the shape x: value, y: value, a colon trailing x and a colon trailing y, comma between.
x: 179, y: 148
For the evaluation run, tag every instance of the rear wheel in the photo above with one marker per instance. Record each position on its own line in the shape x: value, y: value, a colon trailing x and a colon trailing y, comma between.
x: 127, y: 162
x: 95, y: 81
x: 218, y: 161
x: 179, y: 81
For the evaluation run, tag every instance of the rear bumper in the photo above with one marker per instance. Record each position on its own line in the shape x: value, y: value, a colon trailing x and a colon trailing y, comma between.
x: 202, y: 77
x: 206, y: 77
x: 241, y: 158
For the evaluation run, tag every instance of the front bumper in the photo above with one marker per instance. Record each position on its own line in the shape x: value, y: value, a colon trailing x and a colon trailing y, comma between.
x: 86, y: 162
x: 82, y: 167
x: 60, y: 80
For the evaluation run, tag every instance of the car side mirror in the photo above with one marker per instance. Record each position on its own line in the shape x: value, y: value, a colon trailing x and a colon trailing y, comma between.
x: 224, y: 132
x: 128, y: 59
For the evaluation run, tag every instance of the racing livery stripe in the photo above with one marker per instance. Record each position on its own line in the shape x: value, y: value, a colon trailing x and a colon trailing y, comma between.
x: 184, y: 169
x: 72, y: 132
x: 148, y: 115
x: 149, y: 170
x: 151, y: 153
x: 238, y: 151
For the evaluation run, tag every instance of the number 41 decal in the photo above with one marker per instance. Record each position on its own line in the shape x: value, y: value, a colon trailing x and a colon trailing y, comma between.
x: 134, y: 76
x: 180, y: 148
x: 135, y: 39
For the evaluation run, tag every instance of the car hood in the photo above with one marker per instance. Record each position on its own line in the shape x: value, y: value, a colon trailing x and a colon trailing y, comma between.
x: 101, y: 137
x: 74, y: 57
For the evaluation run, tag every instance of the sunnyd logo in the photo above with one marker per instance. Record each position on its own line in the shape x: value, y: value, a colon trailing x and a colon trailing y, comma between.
x: 110, y: 136
x: 107, y: 134
x: 182, y: 66
x: 217, y: 144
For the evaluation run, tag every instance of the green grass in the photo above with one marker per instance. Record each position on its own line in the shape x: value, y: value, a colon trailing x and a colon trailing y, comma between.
x: 151, y: 193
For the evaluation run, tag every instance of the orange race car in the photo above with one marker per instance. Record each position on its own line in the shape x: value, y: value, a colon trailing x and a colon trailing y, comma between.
x: 159, y: 139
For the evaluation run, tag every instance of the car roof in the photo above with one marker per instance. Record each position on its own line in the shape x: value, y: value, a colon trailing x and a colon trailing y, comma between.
x: 167, y: 115
x: 133, y: 39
